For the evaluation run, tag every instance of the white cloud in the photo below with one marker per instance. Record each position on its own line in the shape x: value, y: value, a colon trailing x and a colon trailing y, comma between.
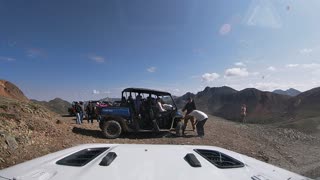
x: 151, y: 69
x: 239, y: 64
x: 208, y: 77
x: 95, y: 92
x: 292, y: 65
x: 306, y: 51
x: 311, y: 65
x: 236, y: 72
x: 176, y: 90
x: 6, y: 58
x: 306, y: 66
x: 267, y: 86
x: 271, y: 68
x: 255, y: 73
x: 98, y: 59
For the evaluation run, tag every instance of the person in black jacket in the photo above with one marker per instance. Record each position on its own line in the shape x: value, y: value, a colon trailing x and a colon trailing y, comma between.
x: 90, y: 112
x: 190, y: 106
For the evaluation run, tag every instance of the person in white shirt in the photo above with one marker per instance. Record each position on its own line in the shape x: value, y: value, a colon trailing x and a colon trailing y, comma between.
x: 201, y: 119
x: 159, y: 105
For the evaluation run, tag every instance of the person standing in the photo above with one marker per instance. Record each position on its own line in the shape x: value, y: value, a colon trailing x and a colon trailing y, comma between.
x: 82, y: 111
x: 243, y: 113
x: 90, y: 112
x: 201, y: 118
x: 78, y: 111
x: 190, y: 106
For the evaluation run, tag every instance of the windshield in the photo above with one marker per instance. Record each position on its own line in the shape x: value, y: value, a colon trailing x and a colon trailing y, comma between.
x: 241, y: 75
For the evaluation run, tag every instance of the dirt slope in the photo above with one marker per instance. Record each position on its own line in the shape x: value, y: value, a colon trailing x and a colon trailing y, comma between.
x: 7, y: 89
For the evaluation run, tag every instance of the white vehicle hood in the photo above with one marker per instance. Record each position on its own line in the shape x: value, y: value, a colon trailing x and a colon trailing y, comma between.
x: 145, y: 162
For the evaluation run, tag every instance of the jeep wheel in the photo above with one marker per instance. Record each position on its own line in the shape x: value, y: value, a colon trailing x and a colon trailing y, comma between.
x: 111, y: 129
x: 180, y: 128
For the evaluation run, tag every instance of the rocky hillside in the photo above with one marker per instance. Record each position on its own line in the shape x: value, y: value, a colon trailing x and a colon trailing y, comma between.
x: 24, y: 125
x: 56, y: 105
x: 303, y: 112
x: 288, y: 92
x: 7, y: 89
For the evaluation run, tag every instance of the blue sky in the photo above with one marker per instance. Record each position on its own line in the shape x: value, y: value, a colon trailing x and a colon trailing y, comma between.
x: 90, y: 49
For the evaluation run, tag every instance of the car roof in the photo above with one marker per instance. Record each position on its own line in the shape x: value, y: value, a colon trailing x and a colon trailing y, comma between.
x: 131, y: 161
x: 147, y: 91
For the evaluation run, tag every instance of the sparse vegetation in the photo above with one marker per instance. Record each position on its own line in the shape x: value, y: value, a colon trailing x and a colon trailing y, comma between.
x: 4, y: 107
x: 8, y: 116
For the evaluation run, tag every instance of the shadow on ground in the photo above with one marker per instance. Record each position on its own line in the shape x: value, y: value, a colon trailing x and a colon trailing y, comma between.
x: 142, y: 135
x: 67, y: 115
x: 88, y: 132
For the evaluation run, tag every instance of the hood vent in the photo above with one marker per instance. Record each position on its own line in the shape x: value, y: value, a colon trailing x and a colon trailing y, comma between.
x: 108, y: 159
x: 192, y: 160
x: 82, y: 157
x: 219, y: 159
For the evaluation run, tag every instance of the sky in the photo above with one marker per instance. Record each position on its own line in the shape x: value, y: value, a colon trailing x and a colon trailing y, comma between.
x: 91, y: 49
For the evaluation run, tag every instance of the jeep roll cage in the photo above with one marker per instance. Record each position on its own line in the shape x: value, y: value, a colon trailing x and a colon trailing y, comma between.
x: 147, y: 91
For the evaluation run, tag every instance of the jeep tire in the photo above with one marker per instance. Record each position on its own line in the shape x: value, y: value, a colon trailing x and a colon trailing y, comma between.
x: 179, y: 129
x: 111, y: 129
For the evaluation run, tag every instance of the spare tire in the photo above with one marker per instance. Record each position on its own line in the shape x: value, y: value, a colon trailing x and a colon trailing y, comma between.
x: 111, y: 129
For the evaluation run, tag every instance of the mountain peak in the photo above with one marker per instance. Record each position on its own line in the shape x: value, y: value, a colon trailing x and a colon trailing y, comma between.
x: 10, y: 90
x: 288, y: 92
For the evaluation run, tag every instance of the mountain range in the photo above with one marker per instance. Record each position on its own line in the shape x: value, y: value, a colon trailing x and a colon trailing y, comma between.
x: 288, y: 92
x: 299, y: 112
x: 56, y: 105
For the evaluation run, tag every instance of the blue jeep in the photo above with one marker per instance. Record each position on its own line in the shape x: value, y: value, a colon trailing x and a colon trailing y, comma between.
x: 140, y: 110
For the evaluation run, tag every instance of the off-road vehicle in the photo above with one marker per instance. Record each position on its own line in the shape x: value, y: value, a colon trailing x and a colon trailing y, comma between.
x: 139, y: 111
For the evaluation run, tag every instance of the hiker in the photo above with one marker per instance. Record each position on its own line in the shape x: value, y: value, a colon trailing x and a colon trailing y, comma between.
x: 82, y: 111
x: 78, y: 112
x: 190, y: 106
x: 90, y: 112
x: 243, y: 113
x: 200, y: 118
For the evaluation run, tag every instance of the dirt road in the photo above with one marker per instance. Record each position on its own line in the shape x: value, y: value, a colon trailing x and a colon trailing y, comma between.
x: 285, y: 148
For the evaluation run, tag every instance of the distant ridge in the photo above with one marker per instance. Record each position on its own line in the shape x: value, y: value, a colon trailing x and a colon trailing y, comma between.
x: 299, y: 112
x: 262, y: 106
x: 288, y: 92
x: 56, y: 105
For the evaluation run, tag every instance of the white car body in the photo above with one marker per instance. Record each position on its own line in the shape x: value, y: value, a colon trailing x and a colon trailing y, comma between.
x: 145, y: 162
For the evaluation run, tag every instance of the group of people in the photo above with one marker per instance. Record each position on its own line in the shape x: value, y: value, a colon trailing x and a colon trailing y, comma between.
x: 199, y: 118
x: 90, y: 110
